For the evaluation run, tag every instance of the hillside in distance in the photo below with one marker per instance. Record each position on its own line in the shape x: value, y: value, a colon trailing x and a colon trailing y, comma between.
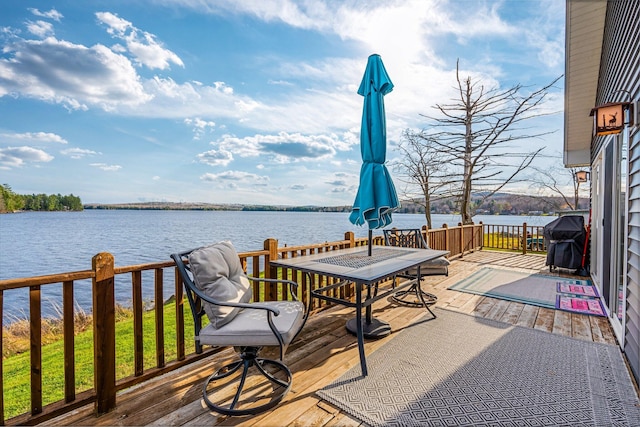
x: 499, y: 204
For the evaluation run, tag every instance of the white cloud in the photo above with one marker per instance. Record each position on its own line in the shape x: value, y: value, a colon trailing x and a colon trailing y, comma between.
x: 105, y: 167
x: 284, y: 147
x: 51, y: 14
x: 216, y: 157
x: 40, y: 28
x: 13, y: 157
x: 200, y: 127
x: 76, y: 75
x: 33, y: 137
x: 78, y: 153
x: 143, y: 46
x: 235, y: 178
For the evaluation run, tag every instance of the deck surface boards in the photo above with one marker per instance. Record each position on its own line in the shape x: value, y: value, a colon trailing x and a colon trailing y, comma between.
x: 325, y: 350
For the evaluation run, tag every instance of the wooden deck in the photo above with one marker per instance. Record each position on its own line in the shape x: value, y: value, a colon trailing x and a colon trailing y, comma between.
x: 325, y: 350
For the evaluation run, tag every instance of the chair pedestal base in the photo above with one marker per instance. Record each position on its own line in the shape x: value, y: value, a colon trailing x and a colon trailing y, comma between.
x: 235, y: 404
x: 413, y: 298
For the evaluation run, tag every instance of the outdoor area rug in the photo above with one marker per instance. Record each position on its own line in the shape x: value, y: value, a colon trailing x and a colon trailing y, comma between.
x: 459, y: 370
x: 535, y: 289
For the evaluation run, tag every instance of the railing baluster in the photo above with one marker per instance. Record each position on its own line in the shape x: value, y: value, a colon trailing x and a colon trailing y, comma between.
x: 138, y: 345
x: 159, y: 315
x: 35, y: 320
x: 180, y: 352
x: 68, y: 319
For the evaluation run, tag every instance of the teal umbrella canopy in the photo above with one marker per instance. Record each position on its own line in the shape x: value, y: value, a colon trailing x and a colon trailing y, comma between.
x: 376, y: 198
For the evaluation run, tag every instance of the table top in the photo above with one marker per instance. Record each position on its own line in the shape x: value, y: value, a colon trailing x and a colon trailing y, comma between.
x: 356, y: 265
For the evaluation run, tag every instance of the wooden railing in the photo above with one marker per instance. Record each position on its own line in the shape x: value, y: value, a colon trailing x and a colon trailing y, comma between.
x: 523, y: 238
x: 104, y: 274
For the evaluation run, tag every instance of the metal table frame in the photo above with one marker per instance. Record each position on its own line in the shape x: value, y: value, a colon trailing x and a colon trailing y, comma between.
x: 355, y: 266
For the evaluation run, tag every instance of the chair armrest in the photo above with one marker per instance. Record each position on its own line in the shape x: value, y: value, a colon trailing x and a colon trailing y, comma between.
x: 293, y: 286
x: 255, y: 305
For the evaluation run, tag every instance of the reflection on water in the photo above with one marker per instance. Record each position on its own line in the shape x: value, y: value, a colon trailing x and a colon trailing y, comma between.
x: 39, y: 243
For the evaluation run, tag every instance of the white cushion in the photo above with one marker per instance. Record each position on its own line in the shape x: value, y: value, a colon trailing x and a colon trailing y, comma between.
x: 251, y: 328
x: 217, y: 272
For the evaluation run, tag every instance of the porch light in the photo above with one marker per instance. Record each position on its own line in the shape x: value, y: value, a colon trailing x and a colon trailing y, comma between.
x: 582, y: 176
x: 609, y: 118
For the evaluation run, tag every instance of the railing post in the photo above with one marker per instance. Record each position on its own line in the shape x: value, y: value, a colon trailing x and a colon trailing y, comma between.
x: 524, y: 238
x: 271, y: 290
x: 351, y: 237
x: 425, y: 234
x: 461, y: 239
x: 104, y: 332
x: 447, y: 247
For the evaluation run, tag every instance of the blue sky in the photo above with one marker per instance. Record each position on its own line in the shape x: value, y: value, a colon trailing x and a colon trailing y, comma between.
x: 239, y: 101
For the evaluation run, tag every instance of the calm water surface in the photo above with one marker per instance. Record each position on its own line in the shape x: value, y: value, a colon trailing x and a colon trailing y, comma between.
x: 38, y: 243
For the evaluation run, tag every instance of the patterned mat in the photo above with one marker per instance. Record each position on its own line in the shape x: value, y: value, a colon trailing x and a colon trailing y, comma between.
x: 459, y: 370
x: 580, y: 304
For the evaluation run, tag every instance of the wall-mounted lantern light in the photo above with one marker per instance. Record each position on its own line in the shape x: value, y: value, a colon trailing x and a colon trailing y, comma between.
x: 609, y: 118
x: 582, y: 176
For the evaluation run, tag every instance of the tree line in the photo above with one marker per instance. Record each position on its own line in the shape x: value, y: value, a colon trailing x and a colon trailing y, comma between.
x: 12, y: 202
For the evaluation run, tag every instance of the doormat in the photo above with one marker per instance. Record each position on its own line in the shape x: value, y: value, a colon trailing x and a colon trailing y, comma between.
x: 582, y: 305
x: 569, y: 287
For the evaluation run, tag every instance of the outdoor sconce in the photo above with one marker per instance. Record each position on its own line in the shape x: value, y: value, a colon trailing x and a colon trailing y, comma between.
x: 582, y: 176
x: 609, y: 118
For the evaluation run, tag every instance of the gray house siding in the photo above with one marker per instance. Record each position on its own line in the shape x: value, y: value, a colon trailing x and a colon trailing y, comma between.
x: 632, y: 333
x: 619, y: 81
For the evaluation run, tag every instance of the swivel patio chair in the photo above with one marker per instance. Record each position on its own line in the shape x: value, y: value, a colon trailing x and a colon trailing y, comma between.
x: 412, y: 238
x: 218, y: 288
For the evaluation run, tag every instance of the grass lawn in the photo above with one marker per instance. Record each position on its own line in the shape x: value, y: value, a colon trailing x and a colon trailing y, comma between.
x: 17, y: 368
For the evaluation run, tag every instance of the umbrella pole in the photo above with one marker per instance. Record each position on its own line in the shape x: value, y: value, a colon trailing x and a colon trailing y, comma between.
x: 370, y: 238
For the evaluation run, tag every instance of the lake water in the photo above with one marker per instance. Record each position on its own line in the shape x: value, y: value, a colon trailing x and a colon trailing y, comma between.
x: 39, y: 243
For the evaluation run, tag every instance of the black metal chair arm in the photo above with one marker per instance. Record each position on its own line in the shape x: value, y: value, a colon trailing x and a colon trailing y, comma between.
x: 251, y: 305
x: 293, y: 286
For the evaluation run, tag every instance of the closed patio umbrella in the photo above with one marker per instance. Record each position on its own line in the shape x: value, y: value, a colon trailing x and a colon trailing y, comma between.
x: 376, y: 198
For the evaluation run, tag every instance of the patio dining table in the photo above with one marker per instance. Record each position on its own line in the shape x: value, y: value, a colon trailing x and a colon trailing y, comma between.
x: 366, y: 272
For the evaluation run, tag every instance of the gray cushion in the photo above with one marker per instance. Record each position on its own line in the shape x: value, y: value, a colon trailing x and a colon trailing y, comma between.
x: 250, y: 326
x: 434, y: 267
x: 217, y: 272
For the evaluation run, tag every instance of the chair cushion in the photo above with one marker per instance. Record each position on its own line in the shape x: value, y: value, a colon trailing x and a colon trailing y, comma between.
x: 438, y: 266
x: 251, y: 328
x: 218, y: 273
x: 438, y: 262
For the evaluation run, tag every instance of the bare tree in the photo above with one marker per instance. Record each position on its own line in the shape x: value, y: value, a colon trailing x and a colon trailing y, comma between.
x: 477, y: 131
x: 561, y: 181
x: 421, y: 167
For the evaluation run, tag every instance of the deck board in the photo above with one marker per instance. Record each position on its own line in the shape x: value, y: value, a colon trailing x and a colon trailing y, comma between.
x: 325, y: 350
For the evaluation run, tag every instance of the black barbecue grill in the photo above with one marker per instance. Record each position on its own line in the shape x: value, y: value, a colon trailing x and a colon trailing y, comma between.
x: 565, y: 239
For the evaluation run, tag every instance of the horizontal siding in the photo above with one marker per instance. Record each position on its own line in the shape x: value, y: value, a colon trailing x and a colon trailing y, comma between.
x: 619, y: 81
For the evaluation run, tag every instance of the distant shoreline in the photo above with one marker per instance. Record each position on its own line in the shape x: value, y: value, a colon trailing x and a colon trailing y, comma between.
x: 213, y: 207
